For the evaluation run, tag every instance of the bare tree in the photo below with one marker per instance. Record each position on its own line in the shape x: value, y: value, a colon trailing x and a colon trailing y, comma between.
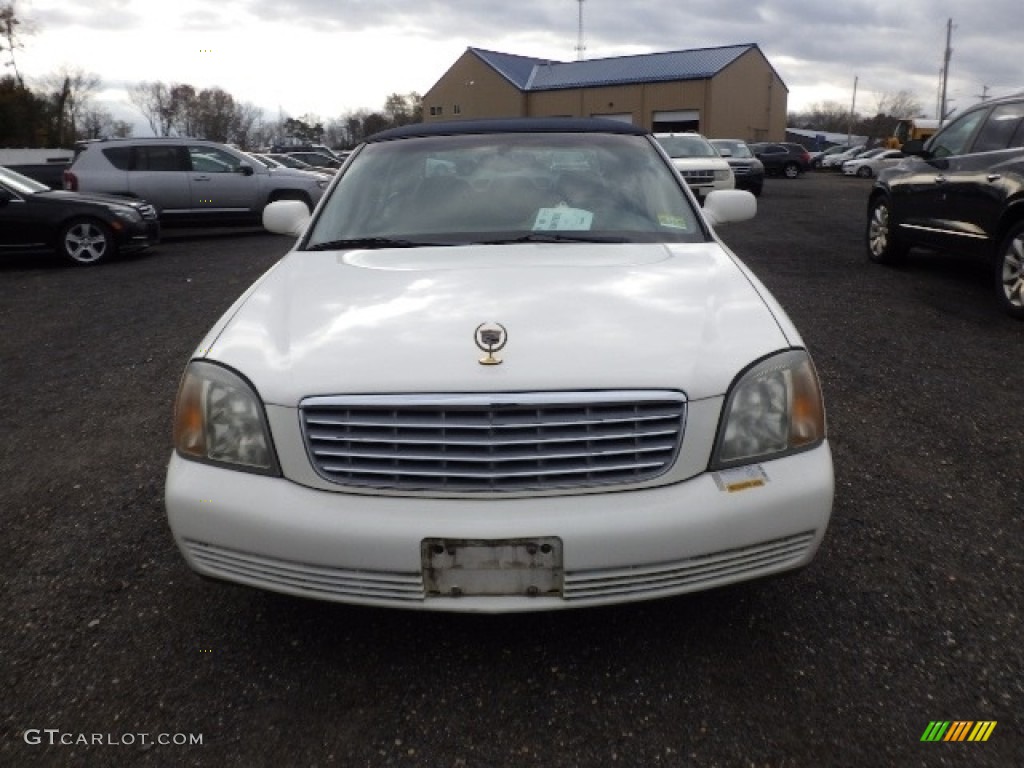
x: 11, y: 29
x: 97, y: 122
x: 214, y: 114
x: 71, y: 90
x: 829, y: 116
x: 153, y: 100
x: 24, y: 116
x: 354, y: 131
x: 93, y: 123
x: 184, y: 109
x: 246, y: 125
x: 306, y: 129
x: 402, y: 109
x: 898, y: 104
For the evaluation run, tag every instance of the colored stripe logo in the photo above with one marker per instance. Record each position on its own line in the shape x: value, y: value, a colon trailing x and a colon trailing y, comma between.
x: 958, y: 730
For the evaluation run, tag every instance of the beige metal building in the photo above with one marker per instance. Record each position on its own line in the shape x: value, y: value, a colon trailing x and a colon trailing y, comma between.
x: 727, y: 92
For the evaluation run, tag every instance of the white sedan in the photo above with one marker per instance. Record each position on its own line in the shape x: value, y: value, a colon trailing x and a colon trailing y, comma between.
x: 507, y: 366
x: 871, y: 162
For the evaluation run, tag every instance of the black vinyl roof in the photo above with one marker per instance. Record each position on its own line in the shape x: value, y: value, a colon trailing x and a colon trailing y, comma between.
x: 510, y: 125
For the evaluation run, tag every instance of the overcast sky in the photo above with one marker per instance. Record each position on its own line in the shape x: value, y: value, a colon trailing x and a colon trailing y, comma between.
x: 330, y: 57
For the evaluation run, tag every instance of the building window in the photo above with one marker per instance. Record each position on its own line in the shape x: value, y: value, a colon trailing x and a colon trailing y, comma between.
x: 456, y: 110
x: 437, y: 110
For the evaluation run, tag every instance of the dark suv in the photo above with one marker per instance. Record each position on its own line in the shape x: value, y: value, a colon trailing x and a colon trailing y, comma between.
x: 962, y: 191
x: 783, y: 157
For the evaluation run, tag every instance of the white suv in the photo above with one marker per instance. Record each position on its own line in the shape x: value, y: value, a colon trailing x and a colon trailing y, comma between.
x: 697, y: 162
x: 189, y: 179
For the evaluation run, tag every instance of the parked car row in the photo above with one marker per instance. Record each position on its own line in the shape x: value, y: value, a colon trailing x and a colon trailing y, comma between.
x: 119, y: 192
x: 835, y: 160
x: 818, y: 158
x: 869, y: 163
x: 189, y: 180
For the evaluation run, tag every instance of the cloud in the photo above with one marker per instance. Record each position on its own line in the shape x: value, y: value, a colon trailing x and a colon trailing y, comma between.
x: 328, y: 57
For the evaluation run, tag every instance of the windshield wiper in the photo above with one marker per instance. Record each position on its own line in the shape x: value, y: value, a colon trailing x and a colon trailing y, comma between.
x: 555, y: 237
x: 368, y: 242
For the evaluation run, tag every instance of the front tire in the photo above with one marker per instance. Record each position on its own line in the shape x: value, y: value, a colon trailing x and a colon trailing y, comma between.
x: 864, y: 172
x: 882, y: 244
x: 1010, y: 272
x: 86, y: 242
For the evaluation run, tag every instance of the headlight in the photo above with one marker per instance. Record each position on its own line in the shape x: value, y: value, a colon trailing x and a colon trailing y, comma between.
x: 218, y: 418
x: 128, y: 214
x: 722, y: 175
x: 773, y: 409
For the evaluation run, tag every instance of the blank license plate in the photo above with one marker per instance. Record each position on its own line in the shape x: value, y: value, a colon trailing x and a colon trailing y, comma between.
x: 522, y: 567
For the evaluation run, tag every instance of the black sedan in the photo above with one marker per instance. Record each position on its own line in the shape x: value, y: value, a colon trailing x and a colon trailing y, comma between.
x: 82, y: 228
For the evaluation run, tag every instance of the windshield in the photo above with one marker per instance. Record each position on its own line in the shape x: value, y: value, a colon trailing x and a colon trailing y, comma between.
x: 686, y: 146
x: 265, y: 161
x: 500, y: 187
x: 737, y: 148
x: 21, y: 184
x: 290, y: 162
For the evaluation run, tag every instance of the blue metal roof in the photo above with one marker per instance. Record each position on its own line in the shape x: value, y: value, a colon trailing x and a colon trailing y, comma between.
x: 530, y: 74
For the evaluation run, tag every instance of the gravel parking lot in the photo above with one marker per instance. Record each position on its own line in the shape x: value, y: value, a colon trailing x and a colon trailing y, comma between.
x: 910, y: 614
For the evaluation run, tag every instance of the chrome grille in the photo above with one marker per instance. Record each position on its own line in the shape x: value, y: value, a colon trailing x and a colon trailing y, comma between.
x: 494, y: 442
x: 698, y: 177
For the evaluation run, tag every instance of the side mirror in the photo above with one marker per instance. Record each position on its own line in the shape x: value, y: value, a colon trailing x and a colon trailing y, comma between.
x: 286, y: 217
x: 245, y: 169
x: 727, y: 205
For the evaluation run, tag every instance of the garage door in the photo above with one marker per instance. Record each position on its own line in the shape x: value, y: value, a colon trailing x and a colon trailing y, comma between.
x: 676, y: 121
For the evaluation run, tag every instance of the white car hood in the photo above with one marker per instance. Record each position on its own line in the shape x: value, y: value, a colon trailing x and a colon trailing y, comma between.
x: 578, y: 316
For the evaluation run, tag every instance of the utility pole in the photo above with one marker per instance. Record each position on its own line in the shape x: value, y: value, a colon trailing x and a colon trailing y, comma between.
x: 580, y: 47
x: 945, y: 70
x: 853, y: 109
x: 984, y: 93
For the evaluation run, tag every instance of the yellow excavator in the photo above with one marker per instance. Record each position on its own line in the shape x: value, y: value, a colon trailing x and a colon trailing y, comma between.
x: 911, y: 128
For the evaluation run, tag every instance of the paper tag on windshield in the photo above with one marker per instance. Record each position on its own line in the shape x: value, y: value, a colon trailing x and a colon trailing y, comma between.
x: 562, y: 218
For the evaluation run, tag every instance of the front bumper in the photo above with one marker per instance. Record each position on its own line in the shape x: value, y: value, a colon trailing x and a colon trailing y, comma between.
x: 138, y: 237
x: 274, y: 534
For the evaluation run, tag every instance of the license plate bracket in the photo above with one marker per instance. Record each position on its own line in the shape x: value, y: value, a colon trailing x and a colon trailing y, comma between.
x: 530, y: 567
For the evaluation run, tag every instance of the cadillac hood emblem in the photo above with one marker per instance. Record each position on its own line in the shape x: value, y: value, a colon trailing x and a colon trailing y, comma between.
x: 490, y: 338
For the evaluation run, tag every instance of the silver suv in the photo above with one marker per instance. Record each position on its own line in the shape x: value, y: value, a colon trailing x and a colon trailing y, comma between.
x: 189, y: 180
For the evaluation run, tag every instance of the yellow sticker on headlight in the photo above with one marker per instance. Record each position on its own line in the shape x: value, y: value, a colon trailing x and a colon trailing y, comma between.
x: 740, y: 478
